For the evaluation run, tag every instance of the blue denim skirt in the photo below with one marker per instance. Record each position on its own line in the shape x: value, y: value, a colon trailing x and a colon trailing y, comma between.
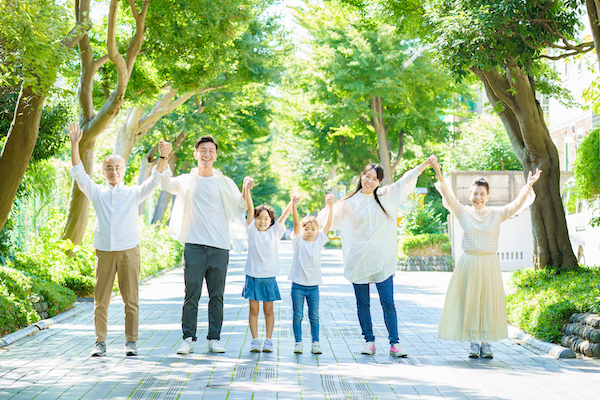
x: 261, y: 289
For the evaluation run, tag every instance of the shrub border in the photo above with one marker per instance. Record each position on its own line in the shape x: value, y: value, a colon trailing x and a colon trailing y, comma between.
x: 38, y: 326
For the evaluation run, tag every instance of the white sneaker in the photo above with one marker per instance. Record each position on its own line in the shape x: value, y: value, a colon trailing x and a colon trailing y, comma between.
x: 474, y: 350
x: 369, y: 349
x: 486, y: 350
x: 255, y: 346
x: 316, y: 348
x: 298, y: 348
x: 215, y: 347
x: 187, y: 346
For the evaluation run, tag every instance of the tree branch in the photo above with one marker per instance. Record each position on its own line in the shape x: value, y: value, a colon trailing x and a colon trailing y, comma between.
x: 400, y: 150
x: 493, y: 85
x: 387, y: 128
x: 366, y: 121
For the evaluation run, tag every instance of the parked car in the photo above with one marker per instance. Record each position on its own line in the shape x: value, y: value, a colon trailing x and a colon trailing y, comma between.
x: 585, y: 239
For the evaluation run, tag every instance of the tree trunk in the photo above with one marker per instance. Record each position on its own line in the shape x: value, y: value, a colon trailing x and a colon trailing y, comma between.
x: 523, y: 120
x: 378, y: 123
x: 19, y: 145
x: 148, y: 162
x: 161, y: 206
x: 593, y: 9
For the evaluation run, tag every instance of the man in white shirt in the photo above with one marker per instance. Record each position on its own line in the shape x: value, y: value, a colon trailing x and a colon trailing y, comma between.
x: 207, y: 214
x: 116, y: 238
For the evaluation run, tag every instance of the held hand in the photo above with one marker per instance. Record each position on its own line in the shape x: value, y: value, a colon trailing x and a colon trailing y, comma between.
x: 295, y: 199
x: 531, y: 179
x: 249, y: 182
x: 434, y: 162
x: 329, y: 200
x: 75, y: 134
x: 164, y: 148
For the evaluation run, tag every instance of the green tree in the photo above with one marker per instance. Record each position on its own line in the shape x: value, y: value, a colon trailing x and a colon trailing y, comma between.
x: 369, y: 88
x: 504, y: 43
x: 482, y: 146
x: 34, y: 43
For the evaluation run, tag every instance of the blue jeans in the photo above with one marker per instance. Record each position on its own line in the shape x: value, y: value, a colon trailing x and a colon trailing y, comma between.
x: 363, y: 307
x: 311, y: 294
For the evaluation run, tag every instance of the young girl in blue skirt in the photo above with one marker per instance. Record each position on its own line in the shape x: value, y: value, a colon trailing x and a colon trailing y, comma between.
x: 262, y: 265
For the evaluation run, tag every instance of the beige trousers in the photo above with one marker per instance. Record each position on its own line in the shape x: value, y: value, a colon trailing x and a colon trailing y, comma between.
x: 126, y: 264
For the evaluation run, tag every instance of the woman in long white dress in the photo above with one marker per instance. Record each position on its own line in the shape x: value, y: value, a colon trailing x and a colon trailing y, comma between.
x: 369, y: 233
x: 475, y: 308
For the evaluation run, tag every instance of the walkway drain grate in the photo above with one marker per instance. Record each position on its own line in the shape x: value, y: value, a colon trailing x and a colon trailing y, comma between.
x: 158, y: 389
x: 341, y: 387
x: 416, y: 360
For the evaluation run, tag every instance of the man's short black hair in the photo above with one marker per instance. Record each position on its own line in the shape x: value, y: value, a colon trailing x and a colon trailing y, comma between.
x: 205, y: 139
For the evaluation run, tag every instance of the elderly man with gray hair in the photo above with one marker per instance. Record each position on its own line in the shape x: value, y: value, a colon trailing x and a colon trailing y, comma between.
x: 116, y: 238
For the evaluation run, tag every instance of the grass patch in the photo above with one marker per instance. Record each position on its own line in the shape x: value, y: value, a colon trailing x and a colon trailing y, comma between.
x: 543, y: 300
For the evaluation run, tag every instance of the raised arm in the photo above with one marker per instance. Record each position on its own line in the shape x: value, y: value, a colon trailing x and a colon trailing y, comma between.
x: 329, y: 207
x: 449, y: 200
x: 295, y: 217
x: 286, y: 213
x: 164, y: 149
x: 524, y: 199
x: 247, y: 186
x: 75, y: 135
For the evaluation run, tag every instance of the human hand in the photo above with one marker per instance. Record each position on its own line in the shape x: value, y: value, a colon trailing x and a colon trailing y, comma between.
x: 433, y: 161
x: 329, y: 200
x: 249, y: 182
x: 164, y: 148
x: 295, y: 199
x: 531, y: 179
x: 75, y: 134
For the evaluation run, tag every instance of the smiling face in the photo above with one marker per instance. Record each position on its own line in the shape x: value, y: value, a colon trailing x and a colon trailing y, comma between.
x: 206, y: 154
x: 369, y: 181
x: 479, y: 196
x: 309, y: 231
x: 263, y: 220
x: 113, y: 169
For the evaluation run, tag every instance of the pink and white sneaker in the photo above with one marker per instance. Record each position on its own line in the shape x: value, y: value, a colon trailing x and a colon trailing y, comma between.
x: 396, y: 351
x: 369, y: 349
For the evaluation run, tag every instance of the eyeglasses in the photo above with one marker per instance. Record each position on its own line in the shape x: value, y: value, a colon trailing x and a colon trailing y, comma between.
x: 111, y: 169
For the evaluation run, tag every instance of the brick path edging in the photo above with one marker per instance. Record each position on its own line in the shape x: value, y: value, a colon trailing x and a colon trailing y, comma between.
x: 550, y: 348
x: 38, y: 326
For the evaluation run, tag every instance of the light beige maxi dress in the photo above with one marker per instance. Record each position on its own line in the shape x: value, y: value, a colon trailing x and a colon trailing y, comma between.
x: 475, y: 308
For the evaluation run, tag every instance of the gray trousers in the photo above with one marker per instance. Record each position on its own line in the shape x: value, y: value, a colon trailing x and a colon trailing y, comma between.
x: 210, y: 263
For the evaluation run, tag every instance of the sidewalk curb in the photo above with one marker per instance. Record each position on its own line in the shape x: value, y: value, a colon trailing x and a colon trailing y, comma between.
x: 38, y: 326
x: 550, y: 348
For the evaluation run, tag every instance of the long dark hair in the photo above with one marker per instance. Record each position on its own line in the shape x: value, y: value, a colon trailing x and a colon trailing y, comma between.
x: 379, y: 171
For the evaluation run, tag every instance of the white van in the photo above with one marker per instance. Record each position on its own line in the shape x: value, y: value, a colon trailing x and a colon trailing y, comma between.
x: 585, y: 239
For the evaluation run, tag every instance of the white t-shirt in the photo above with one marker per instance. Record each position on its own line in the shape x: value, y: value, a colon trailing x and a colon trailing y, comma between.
x: 263, y: 250
x: 306, y: 262
x: 208, y: 223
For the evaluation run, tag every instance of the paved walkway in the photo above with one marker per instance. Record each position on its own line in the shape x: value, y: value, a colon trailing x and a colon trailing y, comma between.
x: 54, y: 363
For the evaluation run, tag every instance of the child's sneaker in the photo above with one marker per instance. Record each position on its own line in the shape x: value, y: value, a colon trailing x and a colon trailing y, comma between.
x: 369, y: 349
x: 255, y: 346
x: 316, y: 348
x: 298, y: 348
x: 396, y: 351
x: 268, y: 346
x: 474, y: 350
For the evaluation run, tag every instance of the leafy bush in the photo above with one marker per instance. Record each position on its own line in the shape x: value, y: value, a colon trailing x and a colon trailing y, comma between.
x: 434, y: 244
x: 544, y: 300
x: 16, y: 289
x: 420, y: 219
x: 586, y: 168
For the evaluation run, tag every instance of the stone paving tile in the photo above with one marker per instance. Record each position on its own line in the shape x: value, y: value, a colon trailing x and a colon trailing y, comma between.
x: 55, y: 363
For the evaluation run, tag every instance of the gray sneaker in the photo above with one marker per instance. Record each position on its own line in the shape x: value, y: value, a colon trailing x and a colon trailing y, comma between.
x: 99, y: 350
x: 267, y: 346
x: 486, y: 351
x: 130, y: 348
x: 474, y: 350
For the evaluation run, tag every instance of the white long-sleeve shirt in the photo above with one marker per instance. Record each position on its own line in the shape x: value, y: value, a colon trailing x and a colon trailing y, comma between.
x: 369, y: 237
x: 116, y: 209
x: 482, y: 227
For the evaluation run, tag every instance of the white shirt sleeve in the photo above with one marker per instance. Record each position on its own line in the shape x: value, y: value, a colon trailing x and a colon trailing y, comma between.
x: 280, y: 229
x: 149, y: 185
x: 321, y: 238
x: 167, y: 182
x: 524, y: 199
x: 449, y: 200
x: 404, y: 186
x: 84, y: 182
x: 340, y: 209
